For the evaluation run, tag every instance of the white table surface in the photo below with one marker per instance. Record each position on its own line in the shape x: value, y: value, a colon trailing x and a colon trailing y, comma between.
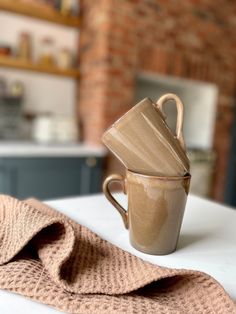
x: 207, y: 242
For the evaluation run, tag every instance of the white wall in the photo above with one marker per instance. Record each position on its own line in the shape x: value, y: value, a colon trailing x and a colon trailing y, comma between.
x: 200, y: 100
x: 43, y: 92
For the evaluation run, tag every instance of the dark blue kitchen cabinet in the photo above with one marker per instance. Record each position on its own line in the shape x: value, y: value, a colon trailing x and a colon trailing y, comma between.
x: 50, y: 177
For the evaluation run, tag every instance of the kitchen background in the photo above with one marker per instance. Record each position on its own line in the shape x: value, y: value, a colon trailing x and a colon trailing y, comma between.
x: 69, y: 69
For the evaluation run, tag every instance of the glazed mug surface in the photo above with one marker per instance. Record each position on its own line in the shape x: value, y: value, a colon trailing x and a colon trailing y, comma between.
x: 144, y: 143
x: 155, y: 209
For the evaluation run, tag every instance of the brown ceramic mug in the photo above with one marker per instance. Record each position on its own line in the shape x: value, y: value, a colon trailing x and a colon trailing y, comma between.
x: 155, y: 209
x: 144, y: 143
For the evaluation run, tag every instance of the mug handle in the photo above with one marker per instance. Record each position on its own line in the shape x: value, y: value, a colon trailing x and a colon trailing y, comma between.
x: 180, y: 115
x: 120, y: 179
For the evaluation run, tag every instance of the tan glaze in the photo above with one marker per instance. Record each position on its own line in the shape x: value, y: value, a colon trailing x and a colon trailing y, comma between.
x: 155, y: 209
x: 144, y: 143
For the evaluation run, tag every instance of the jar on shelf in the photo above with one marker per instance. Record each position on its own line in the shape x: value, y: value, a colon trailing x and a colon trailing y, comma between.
x: 5, y: 50
x: 65, y: 59
x: 70, y: 7
x: 24, y: 50
x: 47, y: 51
x: 66, y: 7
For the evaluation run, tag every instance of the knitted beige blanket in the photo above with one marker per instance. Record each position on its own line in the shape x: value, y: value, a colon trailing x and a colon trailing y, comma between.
x: 51, y: 259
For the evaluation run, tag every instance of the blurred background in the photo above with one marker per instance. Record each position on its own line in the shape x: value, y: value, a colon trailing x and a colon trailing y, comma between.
x: 70, y: 68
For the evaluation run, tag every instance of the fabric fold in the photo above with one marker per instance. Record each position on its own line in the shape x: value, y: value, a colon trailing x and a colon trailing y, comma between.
x: 48, y: 257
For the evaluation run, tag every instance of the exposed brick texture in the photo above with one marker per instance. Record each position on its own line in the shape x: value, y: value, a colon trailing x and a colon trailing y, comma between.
x: 190, y: 38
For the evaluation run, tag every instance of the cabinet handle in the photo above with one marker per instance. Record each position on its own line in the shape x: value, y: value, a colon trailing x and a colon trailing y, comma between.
x: 91, y: 162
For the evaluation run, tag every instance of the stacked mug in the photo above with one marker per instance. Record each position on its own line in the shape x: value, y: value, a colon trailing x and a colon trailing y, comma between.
x: 157, y: 174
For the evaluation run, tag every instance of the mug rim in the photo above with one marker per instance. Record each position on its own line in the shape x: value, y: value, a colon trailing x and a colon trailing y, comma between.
x: 164, y: 178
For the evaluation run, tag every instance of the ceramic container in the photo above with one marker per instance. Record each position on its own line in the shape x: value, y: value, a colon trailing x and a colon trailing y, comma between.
x: 155, y: 209
x: 144, y: 143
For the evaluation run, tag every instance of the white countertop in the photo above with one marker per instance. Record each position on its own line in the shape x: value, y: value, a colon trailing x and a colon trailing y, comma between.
x: 207, y: 242
x: 32, y: 149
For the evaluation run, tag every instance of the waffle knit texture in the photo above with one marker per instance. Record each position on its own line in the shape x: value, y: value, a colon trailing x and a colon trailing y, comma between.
x: 51, y: 259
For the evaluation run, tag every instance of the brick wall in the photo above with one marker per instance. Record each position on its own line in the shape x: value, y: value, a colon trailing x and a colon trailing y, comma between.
x: 191, y: 39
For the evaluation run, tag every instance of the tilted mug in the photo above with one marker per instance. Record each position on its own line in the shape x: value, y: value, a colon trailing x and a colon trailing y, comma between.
x: 144, y: 143
x: 155, y: 209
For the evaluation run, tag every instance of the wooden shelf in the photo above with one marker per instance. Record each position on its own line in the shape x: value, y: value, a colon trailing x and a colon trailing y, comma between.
x: 25, y: 65
x: 39, y: 12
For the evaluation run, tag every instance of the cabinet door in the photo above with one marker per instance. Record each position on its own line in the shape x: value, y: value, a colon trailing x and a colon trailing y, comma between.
x: 7, y: 179
x: 91, y: 175
x: 47, y: 178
